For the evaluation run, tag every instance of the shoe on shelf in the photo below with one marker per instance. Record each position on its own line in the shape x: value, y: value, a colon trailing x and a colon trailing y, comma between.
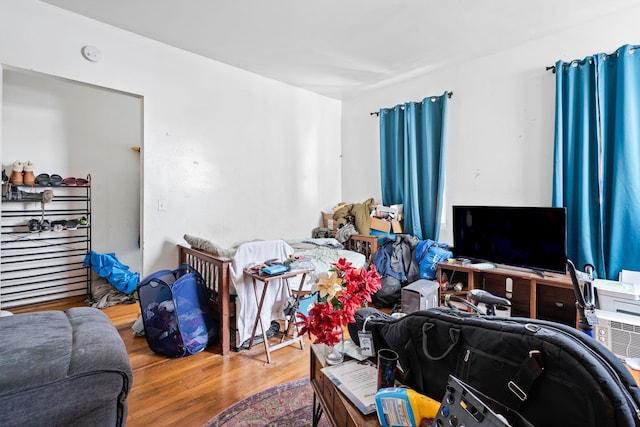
x: 84, y: 221
x: 16, y: 173
x: 72, y: 224
x: 45, y: 225
x: 60, y: 222
x: 58, y: 225
x: 33, y: 225
x: 55, y: 180
x: 43, y: 179
x: 28, y: 178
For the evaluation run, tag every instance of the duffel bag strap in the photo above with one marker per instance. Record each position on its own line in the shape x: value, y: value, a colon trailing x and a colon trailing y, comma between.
x: 454, y: 336
x: 519, y: 386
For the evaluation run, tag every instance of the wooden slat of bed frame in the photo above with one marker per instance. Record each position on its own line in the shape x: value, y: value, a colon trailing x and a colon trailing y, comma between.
x: 215, y: 272
x: 366, y: 245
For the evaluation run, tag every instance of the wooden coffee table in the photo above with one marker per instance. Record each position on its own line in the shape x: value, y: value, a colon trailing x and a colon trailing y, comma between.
x: 327, y: 399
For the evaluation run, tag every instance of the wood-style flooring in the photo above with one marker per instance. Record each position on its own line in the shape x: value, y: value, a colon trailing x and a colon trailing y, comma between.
x: 189, y: 391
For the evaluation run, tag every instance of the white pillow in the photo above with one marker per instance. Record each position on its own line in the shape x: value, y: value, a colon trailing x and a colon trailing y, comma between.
x: 208, y: 246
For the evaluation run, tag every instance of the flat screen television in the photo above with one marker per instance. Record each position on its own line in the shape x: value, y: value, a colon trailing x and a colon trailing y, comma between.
x: 526, y: 237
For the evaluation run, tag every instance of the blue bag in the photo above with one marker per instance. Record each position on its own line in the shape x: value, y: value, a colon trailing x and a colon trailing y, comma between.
x: 109, y: 267
x: 176, y: 312
x: 429, y: 254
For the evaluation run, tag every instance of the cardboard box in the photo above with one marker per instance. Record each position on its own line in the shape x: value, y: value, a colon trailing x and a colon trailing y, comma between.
x: 385, y: 225
x: 329, y: 222
x: 380, y: 224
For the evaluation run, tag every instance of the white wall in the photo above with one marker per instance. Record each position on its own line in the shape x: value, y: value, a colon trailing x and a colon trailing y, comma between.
x: 75, y: 130
x: 235, y: 156
x: 500, y: 121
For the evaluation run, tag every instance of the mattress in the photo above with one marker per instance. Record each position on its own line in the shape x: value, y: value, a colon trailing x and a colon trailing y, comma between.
x: 320, y: 255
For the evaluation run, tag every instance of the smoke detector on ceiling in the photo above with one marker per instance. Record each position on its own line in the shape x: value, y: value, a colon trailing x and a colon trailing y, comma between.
x: 91, y: 53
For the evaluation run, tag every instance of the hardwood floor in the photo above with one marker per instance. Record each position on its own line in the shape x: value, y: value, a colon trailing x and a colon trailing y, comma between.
x: 189, y: 391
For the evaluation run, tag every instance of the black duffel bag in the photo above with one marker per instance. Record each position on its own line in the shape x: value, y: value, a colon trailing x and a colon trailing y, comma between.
x: 552, y: 374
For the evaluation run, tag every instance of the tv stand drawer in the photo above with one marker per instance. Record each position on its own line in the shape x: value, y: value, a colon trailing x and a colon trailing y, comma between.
x: 556, y: 304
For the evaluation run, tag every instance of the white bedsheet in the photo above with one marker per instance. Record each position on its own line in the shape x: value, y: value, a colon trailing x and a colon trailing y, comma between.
x: 317, y: 254
x: 321, y: 259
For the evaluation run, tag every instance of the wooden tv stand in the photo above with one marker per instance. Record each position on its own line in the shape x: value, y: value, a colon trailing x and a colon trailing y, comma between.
x: 549, y: 296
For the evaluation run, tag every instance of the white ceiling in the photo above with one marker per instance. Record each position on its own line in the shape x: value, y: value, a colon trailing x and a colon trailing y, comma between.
x: 340, y: 47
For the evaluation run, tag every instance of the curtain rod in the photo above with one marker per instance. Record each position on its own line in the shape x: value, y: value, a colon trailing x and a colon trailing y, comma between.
x: 616, y: 52
x: 377, y: 113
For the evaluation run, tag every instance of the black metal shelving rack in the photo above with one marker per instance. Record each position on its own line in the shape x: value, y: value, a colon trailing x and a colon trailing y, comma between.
x: 42, y: 266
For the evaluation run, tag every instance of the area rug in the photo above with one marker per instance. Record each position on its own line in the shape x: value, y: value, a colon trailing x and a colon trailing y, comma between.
x: 288, y: 404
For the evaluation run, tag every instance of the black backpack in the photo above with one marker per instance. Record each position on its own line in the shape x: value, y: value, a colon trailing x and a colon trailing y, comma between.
x: 551, y: 374
x: 396, y: 264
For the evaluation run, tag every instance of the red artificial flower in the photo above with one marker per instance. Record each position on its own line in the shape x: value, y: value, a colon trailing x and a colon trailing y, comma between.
x: 342, y: 291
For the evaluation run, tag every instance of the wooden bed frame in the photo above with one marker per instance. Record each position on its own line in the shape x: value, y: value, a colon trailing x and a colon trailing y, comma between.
x: 215, y: 272
x: 366, y: 245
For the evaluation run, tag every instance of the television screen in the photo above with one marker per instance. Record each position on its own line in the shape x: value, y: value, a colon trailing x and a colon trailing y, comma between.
x: 529, y: 237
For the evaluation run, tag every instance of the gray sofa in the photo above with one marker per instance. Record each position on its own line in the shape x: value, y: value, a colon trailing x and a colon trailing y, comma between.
x: 62, y: 368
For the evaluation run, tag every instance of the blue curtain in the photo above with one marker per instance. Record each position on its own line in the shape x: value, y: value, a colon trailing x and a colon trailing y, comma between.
x: 597, y: 159
x: 412, y: 149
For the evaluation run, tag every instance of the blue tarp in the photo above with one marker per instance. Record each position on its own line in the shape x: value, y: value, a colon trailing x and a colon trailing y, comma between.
x: 116, y: 273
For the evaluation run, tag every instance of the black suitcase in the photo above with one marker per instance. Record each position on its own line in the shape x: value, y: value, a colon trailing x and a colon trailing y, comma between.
x: 551, y: 374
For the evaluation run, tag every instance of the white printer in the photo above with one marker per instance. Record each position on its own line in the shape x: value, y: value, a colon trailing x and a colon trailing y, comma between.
x: 618, y: 297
